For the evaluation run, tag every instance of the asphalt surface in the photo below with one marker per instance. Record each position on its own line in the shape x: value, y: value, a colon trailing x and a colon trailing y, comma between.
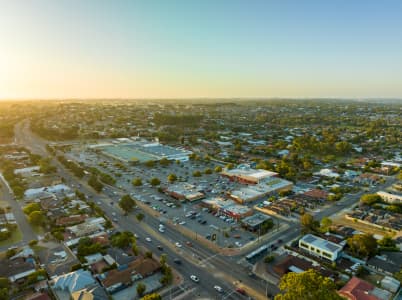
x: 211, y: 268
x: 202, y: 290
x: 27, y: 233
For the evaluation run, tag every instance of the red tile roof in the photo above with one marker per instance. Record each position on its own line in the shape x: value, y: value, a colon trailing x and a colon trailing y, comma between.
x: 357, y: 289
x: 316, y: 193
x: 71, y: 220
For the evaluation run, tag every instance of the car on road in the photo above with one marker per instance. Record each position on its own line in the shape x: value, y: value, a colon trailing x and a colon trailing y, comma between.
x: 161, y: 229
x: 182, y: 222
x: 194, y: 278
x: 148, y: 239
x: 178, y: 245
x: 238, y: 244
x: 159, y: 247
x: 177, y: 261
x: 218, y: 289
x: 241, y: 291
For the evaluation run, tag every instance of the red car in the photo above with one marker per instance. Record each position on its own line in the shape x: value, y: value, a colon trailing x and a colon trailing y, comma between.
x: 241, y: 291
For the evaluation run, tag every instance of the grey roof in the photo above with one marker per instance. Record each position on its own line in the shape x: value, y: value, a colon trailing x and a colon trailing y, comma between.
x: 321, y: 243
x: 73, y: 281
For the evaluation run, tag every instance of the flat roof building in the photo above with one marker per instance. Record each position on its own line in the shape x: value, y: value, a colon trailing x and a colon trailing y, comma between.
x: 246, y: 175
x: 264, y: 188
x: 390, y: 198
x: 254, y: 222
x: 184, y: 191
x: 142, y: 151
x: 320, y: 247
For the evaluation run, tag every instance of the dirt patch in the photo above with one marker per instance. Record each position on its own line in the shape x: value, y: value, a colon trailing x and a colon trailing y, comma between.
x: 341, y: 220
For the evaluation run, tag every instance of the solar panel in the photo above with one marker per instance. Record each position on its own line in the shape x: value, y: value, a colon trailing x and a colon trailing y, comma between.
x: 309, y: 239
x: 332, y: 247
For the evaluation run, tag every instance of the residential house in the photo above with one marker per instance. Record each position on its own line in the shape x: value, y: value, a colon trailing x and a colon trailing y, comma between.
x: 358, y: 289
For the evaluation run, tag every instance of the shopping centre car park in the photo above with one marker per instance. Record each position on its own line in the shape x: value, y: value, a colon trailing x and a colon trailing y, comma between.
x: 203, y: 222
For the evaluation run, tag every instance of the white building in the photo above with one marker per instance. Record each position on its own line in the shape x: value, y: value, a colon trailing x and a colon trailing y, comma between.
x: 390, y: 198
x: 320, y: 247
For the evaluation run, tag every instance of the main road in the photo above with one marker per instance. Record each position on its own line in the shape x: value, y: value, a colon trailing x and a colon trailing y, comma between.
x: 212, y: 268
x: 216, y: 272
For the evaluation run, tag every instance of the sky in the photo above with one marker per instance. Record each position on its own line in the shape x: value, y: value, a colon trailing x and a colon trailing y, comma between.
x: 195, y: 49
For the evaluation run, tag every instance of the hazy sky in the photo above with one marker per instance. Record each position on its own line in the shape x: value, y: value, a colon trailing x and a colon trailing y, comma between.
x: 200, y: 48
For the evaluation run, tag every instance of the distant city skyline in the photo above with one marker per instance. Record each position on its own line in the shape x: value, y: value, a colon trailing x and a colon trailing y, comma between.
x: 200, y: 49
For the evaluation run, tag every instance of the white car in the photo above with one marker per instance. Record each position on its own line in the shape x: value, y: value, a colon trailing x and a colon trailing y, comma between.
x: 161, y: 229
x: 238, y: 244
x: 182, y: 222
x: 178, y: 245
x: 218, y: 288
x: 148, y: 239
x: 194, y: 278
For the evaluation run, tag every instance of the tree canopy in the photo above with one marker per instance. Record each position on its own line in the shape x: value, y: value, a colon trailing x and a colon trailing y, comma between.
x: 127, y: 203
x: 153, y: 296
x: 370, y: 199
x: 363, y: 245
x: 308, y: 285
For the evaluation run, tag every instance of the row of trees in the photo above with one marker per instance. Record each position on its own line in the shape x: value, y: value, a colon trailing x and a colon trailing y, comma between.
x: 72, y: 166
x: 94, y: 182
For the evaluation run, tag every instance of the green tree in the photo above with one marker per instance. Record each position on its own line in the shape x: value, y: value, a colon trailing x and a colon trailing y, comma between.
x: 95, y: 183
x: 140, y: 217
x: 387, y: 241
x: 87, y: 247
x: 37, y: 218
x: 172, y: 177
x: 164, y: 162
x: 31, y: 207
x: 155, y: 181
x: 4, y: 283
x: 208, y: 171
x: 370, y: 199
x: 137, y: 182
x: 150, y: 163
x: 308, y: 285
x: 127, y: 203
x: 308, y: 223
x: 153, y: 296
x: 122, y: 239
x: 197, y: 173
x: 163, y: 259
x: 363, y: 245
x: 229, y: 166
x: 141, y: 288
x: 325, y: 224
x: 218, y: 169
x: 4, y: 294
